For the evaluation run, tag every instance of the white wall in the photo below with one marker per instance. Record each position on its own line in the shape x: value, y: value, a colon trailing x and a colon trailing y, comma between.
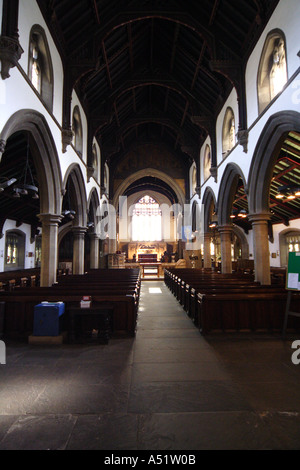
x: 76, y: 102
x: 202, y: 156
x: 285, y: 17
x: 30, y: 15
x: 232, y: 103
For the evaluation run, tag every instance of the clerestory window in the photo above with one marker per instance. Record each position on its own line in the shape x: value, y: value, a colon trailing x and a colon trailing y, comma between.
x: 272, y: 72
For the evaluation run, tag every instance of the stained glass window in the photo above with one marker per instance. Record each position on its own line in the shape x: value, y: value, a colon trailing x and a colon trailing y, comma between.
x: 146, y: 220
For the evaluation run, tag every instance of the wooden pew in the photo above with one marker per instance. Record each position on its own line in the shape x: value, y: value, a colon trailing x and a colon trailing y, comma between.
x: 20, y: 277
x: 230, y: 302
x: 122, y: 295
x: 237, y: 312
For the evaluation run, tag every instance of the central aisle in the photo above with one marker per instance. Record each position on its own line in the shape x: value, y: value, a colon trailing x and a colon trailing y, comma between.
x: 179, y: 386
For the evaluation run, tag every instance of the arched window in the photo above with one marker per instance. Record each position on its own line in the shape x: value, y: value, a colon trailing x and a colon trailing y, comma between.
x: 194, y: 179
x: 289, y: 241
x: 293, y: 242
x: 105, y: 179
x: 206, y: 163
x: 38, y: 251
x: 77, y: 130
x: 272, y: 71
x: 95, y: 161
x: 228, y: 134
x: 146, y: 220
x: 40, y: 70
x: 14, y: 250
x: 195, y: 217
x: 36, y: 70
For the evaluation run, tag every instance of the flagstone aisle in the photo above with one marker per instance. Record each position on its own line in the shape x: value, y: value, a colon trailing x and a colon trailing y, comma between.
x: 168, y: 388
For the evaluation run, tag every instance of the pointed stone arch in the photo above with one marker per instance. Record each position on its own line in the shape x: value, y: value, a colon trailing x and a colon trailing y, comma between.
x: 209, y: 198
x: 265, y: 156
x: 93, y: 204
x: 227, y: 191
x: 75, y: 174
x: 154, y: 173
x: 44, y: 154
x: 243, y: 240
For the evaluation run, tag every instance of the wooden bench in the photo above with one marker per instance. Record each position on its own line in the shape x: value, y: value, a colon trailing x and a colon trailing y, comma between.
x: 121, y: 296
x: 229, y: 302
x: 237, y: 312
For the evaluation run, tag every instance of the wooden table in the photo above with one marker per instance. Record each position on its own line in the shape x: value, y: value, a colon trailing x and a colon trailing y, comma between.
x: 150, y: 265
x: 104, y: 323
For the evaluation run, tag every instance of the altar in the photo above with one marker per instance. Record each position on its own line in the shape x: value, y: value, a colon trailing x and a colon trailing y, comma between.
x: 146, y: 251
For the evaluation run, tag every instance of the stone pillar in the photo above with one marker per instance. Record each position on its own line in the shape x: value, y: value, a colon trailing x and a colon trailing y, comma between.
x: 180, y: 249
x: 225, y: 236
x: 49, y: 248
x: 112, y: 245
x: 206, y: 249
x: 94, y: 251
x: 78, y: 249
x: 261, y: 247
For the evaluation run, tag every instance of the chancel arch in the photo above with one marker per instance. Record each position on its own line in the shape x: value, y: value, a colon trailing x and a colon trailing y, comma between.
x: 148, y: 221
x: 152, y: 172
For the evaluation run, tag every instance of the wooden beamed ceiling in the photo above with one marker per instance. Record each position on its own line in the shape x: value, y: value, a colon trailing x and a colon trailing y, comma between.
x: 143, y: 69
x: 286, y: 173
x: 147, y: 59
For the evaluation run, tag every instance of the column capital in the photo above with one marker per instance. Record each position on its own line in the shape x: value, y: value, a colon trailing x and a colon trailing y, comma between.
x: 259, y: 218
x: 207, y: 235
x: 79, y: 231
x: 226, y: 228
x: 50, y: 219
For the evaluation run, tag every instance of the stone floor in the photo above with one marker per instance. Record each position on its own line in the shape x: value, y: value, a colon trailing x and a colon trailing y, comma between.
x: 168, y: 388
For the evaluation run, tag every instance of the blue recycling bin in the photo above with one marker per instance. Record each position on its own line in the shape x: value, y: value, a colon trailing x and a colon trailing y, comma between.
x: 47, y: 318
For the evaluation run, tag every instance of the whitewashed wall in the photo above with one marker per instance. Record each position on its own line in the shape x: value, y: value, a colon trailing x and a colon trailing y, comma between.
x: 286, y: 18
x: 30, y: 15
